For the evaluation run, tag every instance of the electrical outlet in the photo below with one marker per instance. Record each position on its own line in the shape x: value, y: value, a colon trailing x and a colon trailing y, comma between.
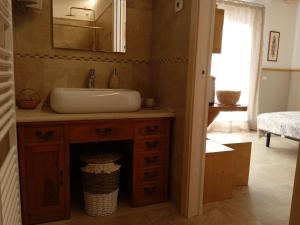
x: 178, y: 5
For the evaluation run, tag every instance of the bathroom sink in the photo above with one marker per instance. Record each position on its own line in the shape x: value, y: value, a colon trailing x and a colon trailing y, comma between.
x: 84, y: 100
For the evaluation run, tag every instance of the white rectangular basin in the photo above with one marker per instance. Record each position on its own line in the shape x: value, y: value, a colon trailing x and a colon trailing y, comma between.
x: 84, y: 100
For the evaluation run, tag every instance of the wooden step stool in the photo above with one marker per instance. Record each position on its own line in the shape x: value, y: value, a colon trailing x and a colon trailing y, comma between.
x: 241, y: 155
x: 218, y: 180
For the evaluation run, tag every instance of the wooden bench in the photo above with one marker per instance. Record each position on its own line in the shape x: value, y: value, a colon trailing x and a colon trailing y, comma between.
x: 241, y: 155
x: 218, y: 180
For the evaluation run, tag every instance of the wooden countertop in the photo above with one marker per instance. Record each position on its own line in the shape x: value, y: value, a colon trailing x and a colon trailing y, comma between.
x: 214, y: 110
x: 228, y: 107
x: 47, y: 115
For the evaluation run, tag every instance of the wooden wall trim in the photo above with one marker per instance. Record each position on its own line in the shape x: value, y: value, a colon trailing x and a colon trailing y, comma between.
x: 281, y: 69
x: 200, y: 49
x: 295, y: 217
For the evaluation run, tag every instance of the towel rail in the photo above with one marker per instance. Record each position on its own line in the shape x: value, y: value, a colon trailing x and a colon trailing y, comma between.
x: 5, y: 107
x: 5, y: 85
x: 9, y: 188
x: 10, y: 212
x: 4, y: 9
x: 4, y: 52
x: 5, y: 96
x: 6, y: 118
x: 5, y: 187
x: 6, y: 165
x: 4, y: 19
x: 5, y: 74
x: 6, y: 128
x: 5, y: 63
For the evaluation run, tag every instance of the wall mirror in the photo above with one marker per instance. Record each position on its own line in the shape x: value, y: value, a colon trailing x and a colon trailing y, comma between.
x: 93, y: 25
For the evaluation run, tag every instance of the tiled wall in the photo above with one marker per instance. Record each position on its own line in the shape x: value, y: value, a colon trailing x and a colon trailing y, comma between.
x: 169, y: 68
x: 38, y: 65
x: 74, y: 37
x: 155, y: 62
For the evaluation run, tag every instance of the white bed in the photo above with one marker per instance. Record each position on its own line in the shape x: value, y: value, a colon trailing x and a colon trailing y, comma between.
x: 285, y: 124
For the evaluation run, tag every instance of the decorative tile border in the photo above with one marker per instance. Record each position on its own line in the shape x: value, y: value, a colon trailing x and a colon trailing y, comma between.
x: 80, y: 58
x: 173, y: 60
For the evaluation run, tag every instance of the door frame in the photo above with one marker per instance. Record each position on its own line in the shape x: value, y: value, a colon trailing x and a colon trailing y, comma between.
x: 295, y: 217
x: 200, y: 52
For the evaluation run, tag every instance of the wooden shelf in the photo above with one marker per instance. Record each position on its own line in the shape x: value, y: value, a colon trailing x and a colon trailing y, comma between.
x: 214, y: 110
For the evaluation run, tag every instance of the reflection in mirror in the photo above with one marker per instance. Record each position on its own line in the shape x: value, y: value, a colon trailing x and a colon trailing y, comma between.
x: 94, y: 25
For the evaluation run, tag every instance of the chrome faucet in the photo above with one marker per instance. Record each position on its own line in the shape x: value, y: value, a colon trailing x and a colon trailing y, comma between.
x: 91, y: 78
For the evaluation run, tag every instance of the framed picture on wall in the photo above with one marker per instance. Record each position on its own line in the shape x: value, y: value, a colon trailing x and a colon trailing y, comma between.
x: 273, y: 46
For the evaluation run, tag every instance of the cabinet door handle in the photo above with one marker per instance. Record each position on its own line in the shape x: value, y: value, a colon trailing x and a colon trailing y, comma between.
x: 152, y: 129
x: 148, y: 175
x: 152, y: 144
x: 44, y: 136
x: 150, y: 190
x: 107, y: 131
x: 151, y: 160
x: 103, y: 131
x: 61, y: 178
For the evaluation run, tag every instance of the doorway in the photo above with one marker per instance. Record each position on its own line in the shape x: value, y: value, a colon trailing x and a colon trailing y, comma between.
x: 196, y: 127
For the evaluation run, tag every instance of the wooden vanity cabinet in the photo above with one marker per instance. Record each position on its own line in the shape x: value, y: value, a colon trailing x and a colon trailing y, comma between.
x: 44, y: 162
x: 218, y: 31
x: 150, y: 175
x: 42, y: 171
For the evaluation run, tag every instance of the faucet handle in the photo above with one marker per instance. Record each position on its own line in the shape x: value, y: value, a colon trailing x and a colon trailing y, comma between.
x: 92, y: 73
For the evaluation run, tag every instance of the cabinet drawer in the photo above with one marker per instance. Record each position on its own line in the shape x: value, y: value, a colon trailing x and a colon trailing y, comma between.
x: 45, y: 134
x: 151, y: 144
x: 149, y: 194
x: 150, y: 175
x: 153, y: 127
x: 100, y: 132
x: 146, y: 160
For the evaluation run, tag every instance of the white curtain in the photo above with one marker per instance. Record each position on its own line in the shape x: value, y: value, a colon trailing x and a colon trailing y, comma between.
x: 238, y: 66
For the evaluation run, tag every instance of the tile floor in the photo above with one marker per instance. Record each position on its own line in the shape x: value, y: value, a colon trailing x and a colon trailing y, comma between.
x: 266, y: 201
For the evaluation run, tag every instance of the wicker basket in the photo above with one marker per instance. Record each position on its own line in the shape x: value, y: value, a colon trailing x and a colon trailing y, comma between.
x: 101, y: 204
x: 100, y: 183
x: 28, y: 99
x: 96, y: 157
x: 228, y: 97
x: 100, y: 178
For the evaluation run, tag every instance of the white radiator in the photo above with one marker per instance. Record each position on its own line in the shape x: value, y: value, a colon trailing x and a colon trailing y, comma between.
x: 9, y: 189
x: 10, y: 208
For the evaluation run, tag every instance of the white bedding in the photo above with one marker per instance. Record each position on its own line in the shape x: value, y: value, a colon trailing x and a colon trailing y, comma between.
x: 286, y: 124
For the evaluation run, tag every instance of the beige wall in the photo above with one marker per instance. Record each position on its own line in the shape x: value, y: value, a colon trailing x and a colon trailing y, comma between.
x: 169, y: 75
x: 39, y: 66
x: 294, y: 94
x: 274, y: 91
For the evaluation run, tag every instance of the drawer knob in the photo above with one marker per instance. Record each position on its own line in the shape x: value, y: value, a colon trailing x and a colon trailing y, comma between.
x: 151, y: 160
x: 103, y: 131
x: 150, y: 190
x: 152, y: 144
x: 148, y: 175
x: 152, y: 129
x: 44, y: 136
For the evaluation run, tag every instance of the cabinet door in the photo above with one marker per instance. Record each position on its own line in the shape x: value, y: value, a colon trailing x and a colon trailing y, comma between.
x: 219, y: 21
x: 45, y: 183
